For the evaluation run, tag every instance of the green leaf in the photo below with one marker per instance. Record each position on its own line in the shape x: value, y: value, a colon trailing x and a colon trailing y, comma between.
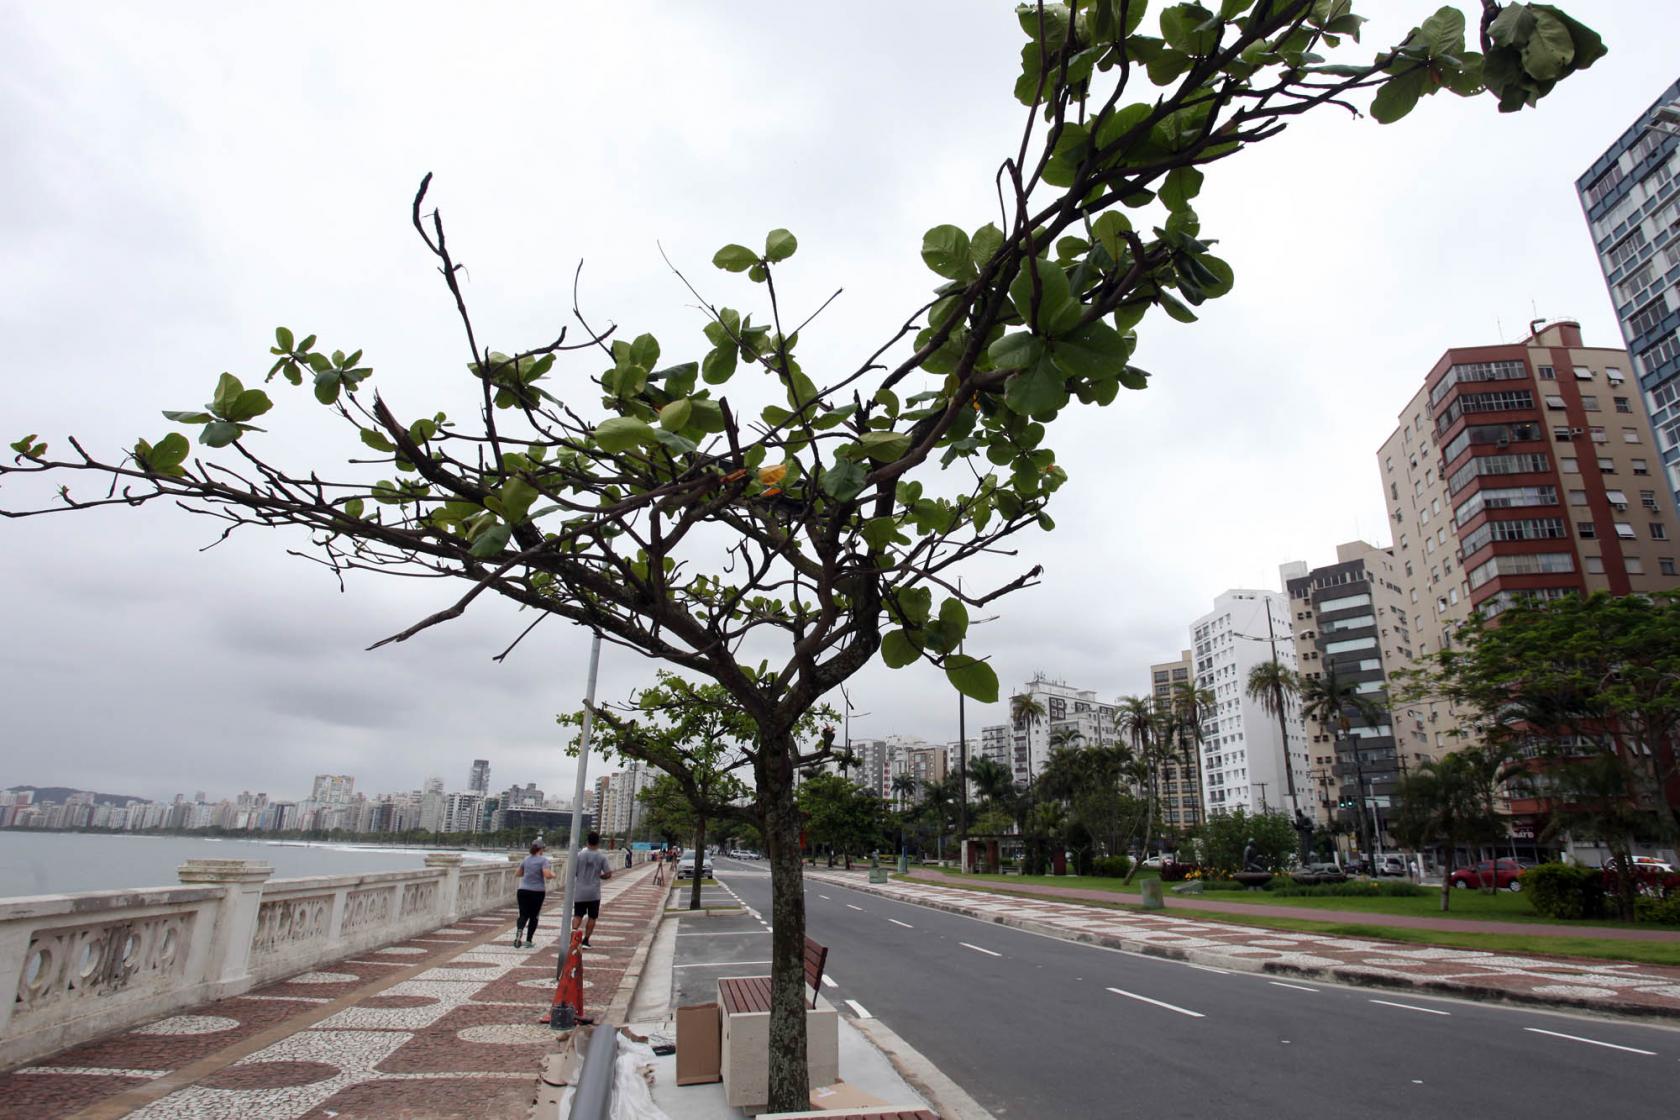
x: 1180, y: 186
x: 227, y: 389
x: 734, y: 258
x: 353, y: 508
x: 844, y: 480
x: 183, y: 418
x: 644, y: 352
x: 327, y: 384
x: 1443, y: 32
x: 1095, y: 351
x: 1056, y: 310
x: 249, y: 405
x: 884, y: 447
x: 377, y: 441
x: 1016, y: 351
x: 780, y: 245
x: 1107, y: 230
x: 1398, y: 96
x: 972, y: 677
x: 945, y: 249
x: 513, y: 500
x: 953, y: 615
x: 674, y: 417
x: 218, y: 433
x: 283, y: 339
x: 897, y: 650
x: 1170, y: 304
x: 166, y: 458
x: 1551, y: 48
x: 492, y: 540
x: 718, y: 365
x: 1039, y: 392
x: 879, y: 532
x: 987, y: 240
x: 622, y: 433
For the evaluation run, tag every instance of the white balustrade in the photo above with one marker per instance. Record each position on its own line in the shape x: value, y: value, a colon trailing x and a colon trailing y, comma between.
x: 91, y: 963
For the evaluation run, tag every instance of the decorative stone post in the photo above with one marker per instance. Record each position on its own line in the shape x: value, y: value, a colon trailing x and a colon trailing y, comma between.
x: 229, y: 968
x: 449, y: 891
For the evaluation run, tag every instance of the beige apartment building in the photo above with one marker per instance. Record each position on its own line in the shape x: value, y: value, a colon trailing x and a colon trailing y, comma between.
x: 1521, y: 470
x: 1181, y: 782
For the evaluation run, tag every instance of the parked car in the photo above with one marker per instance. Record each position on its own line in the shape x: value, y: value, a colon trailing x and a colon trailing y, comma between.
x: 685, y: 868
x: 1159, y: 858
x: 1391, y: 865
x: 1504, y: 874
x: 744, y: 853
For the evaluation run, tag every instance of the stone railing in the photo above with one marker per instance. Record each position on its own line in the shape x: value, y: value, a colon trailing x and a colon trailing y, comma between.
x: 87, y: 964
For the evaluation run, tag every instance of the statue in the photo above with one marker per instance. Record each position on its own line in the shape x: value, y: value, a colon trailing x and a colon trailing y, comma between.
x: 1251, y: 857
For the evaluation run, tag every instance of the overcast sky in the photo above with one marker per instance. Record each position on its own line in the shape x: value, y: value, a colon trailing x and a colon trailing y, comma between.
x: 181, y: 178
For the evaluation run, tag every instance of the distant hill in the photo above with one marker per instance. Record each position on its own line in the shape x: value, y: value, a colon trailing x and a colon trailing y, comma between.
x: 58, y: 795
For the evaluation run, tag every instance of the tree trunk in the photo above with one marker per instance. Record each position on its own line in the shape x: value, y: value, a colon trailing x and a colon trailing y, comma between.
x: 789, y: 1078
x: 1446, y: 877
x: 699, y: 861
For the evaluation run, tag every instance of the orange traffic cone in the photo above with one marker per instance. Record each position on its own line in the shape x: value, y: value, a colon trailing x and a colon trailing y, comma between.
x: 567, y: 1008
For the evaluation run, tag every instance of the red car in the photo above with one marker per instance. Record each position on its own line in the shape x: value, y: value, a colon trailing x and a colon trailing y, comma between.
x: 1503, y: 874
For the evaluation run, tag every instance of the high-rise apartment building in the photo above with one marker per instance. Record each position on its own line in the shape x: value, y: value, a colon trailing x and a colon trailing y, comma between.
x: 1353, y: 618
x: 329, y: 789
x: 1525, y: 470
x: 1181, y: 783
x: 1071, y: 715
x: 478, y: 778
x: 1632, y: 203
x: 1244, y: 750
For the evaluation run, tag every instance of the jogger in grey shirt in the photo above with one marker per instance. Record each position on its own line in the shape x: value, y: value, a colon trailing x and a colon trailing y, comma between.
x: 587, y: 872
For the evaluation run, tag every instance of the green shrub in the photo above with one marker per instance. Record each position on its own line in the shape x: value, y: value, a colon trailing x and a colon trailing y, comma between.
x: 1367, y: 888
x: 1111, y: 867
x: 1558, y: 890
x: 1663, y: 911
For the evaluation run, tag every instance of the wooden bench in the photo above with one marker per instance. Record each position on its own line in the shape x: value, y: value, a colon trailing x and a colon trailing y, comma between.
x: 744, y: 1003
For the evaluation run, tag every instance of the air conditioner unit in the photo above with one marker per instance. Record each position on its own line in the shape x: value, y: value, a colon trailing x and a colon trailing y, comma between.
x: 1577, y: 431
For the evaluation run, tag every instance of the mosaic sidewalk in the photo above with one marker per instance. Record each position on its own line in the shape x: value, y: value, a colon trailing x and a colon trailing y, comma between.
x: 438, y: 1026
x: 1592, y: 985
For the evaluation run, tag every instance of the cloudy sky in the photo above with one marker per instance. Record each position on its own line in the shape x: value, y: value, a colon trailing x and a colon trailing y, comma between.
x: 179, y: 179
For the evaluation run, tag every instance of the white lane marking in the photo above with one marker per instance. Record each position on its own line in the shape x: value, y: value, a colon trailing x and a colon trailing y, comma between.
x: 896, y: 922
x: 1411, y: 1007
x: 849, y: 906
x: 1592, y: 1041
x: 1297, y: 987
x: 1158, y: 1003
x: 726, y: 933
x: 858, y: 1009
x: 977, y: 949
x: 1210, y: 968
x: 719, y: 964
x: 825, y: 898
x: 828, y: 981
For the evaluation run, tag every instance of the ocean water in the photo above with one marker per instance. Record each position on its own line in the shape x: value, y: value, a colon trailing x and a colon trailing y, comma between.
x: 61, y: 862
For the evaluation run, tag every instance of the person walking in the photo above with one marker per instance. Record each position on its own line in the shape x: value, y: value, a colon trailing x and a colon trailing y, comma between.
x: 534, y: 873
x: 591, y: 868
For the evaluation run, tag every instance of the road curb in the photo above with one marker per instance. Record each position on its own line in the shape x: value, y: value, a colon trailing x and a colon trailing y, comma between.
x: 1340, y: 974
x: 619, y: 1009
x: 950, y: 1100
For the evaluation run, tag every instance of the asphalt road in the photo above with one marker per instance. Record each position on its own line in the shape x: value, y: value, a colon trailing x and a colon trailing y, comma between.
x: 1035, y: 1026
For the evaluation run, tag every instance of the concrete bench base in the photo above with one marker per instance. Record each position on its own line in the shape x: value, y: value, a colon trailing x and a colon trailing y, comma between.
x: 746, y: 1052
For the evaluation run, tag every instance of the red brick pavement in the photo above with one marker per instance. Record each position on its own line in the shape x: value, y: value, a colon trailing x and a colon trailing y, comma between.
x: 454, y: 1036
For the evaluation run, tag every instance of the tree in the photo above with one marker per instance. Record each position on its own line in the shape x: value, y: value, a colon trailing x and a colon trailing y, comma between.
x: 840, y: 815
x: 1192, y: 704
x: 1446, y: 803
x: 1271, y: 685
x: 1136, y: 720
x: 1334, y: 701
x: 1223, y: 836
x: 663, y: 517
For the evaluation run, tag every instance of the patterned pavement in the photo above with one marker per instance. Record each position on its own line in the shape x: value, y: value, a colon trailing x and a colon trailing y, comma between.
x: 1593, y: 985
x: 441, y: 1025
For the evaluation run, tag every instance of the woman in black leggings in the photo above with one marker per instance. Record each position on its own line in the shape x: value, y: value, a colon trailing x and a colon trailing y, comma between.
x: 534, y: 873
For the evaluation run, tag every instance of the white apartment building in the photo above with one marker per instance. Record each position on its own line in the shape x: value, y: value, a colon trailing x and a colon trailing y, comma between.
x: 332, y: 789
x: 463, y: 812
x: 1243, y: 755
x: 1068, y: 711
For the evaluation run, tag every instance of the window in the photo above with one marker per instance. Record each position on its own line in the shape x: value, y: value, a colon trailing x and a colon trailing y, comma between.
x: 1623, y: 405
x: 1640, y: 466
x: 1647, y: 317
x: 1595, y: 564
x: 1665, y: 565
x: 1521, y: 529
x: 1624, y: 531
x: 1569, y: 465
x: 1547, y: 373
x: 1496, y: 464
x: 1577, y: 497
x: 1648, y: 499
x: 1507, y: 498
x: 1633, y: 565
x: 1617, y: 498
x: 1659, y: 532
x: 1554, y: 402
x: 1350, y: 643
x: 1521, y: 564
x: 1476, y: 371
x: 1504, y: 400
x: 1563, y: 434
x: 1606, y: 465
x: 1582, y: 373
x: 1343, y: 603
x: 1598, y: 436
x: 1589, y: 402
x: 1586, y: 530
x: 1613, y: 375
x: 1630, y: 435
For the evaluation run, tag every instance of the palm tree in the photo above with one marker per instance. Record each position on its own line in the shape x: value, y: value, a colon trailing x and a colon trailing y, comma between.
x: 905, y: 785
x: 1446, y: 803
x: 1191, y: 703
x: 1332, y: 701
x: 1136, y: 719
x: 937, y: 799
x: 1025, y: 713
x: 992, y: 780
x: 1270, y: 684
x: 1065, y: 738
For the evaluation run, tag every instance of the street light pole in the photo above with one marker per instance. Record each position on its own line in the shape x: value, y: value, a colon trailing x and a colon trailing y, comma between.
x: 562, y: 1017
x: 1303, y: 827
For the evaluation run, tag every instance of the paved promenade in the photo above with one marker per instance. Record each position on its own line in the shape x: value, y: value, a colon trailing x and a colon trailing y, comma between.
x: 1352, y: 917
x: 1592, y: 985
x: 440, y: 1025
